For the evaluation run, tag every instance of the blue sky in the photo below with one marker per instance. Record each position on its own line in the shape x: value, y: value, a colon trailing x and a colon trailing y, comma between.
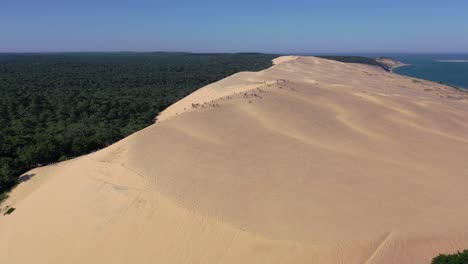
x: 288, y: 26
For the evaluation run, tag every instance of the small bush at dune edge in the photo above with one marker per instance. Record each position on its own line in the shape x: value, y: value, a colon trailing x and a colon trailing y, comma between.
x: 9, y: 211
x: 457, y: 258
x: 3, y: 196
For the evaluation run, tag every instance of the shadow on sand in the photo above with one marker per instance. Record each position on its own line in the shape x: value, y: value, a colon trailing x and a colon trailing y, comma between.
x: 26, y: 177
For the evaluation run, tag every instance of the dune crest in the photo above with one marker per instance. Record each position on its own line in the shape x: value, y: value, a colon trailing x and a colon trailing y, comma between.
x: 237, y: 83
x: 309, y: 161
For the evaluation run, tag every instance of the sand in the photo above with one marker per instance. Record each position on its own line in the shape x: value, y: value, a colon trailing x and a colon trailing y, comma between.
x: 309, y: 161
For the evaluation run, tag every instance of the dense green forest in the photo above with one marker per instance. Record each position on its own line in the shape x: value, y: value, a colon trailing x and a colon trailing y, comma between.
x: 457, y: 258
x: 57, y: 106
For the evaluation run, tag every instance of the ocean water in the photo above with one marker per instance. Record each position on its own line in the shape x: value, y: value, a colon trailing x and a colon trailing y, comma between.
x: 428, y: 67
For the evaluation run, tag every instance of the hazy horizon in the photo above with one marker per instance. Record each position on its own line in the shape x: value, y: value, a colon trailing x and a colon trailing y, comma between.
x: 295, y: 27
x: 382, y: 53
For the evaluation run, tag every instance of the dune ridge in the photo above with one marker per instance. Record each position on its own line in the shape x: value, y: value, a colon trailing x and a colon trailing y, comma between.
x: 309, y: 161
x: 236, y: 83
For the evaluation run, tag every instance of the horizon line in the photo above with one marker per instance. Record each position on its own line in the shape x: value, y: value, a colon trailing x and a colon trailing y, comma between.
x: 240, y: 52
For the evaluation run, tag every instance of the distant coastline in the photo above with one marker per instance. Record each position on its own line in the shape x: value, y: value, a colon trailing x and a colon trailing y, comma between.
x: 390, y: 63
x: 455, y: 61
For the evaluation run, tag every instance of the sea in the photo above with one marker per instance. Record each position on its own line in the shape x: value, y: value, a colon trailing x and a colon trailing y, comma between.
x: 442, y: 68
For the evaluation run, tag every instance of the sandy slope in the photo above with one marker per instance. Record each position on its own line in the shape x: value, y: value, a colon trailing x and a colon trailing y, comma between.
x: 310, y: 161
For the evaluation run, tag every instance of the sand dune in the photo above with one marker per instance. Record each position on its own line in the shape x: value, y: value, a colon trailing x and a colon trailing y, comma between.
x: 309, y: 161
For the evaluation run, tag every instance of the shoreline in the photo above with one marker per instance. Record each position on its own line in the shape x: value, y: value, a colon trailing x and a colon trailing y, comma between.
x: 399, y: 66
x: 389, y: 63
x: 465, y: 90
x: 454, y: 87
